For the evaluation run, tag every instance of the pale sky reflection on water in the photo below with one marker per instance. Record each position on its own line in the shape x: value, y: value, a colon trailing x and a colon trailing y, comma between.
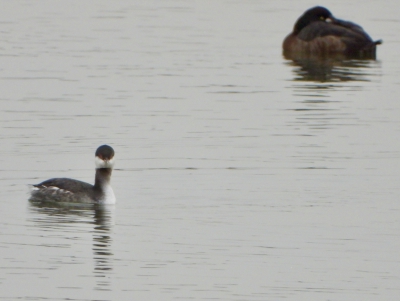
x: 239, y: 175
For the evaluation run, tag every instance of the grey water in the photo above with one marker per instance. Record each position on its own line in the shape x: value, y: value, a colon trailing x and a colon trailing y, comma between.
x: 240, y: 175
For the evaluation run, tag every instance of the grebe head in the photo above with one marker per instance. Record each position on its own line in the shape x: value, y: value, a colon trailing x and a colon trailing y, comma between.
x: 104, y: 157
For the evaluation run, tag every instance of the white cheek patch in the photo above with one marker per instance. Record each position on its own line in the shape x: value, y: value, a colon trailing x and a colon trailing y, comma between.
x: 104, y: 164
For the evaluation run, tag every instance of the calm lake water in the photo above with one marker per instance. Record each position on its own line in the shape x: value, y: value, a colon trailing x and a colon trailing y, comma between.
x: 239, y: 176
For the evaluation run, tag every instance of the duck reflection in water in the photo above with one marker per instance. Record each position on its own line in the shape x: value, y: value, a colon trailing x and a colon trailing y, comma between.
x: 61, y: 217
x: 332, y: 70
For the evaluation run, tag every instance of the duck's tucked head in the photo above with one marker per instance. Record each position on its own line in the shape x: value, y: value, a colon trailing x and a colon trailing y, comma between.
x: 317, y: 13
x: 104, y: 157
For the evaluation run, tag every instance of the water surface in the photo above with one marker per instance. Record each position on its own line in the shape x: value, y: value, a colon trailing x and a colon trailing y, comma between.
x: 240, y: 175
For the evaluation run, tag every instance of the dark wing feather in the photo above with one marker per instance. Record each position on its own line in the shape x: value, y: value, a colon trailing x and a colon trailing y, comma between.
x: 350, y: 34
x: 63, y: 190
x: 66, y: 184
x: 322, y: 29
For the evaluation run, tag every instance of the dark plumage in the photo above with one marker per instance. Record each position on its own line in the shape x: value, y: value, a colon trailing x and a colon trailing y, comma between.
x: 314, y: 35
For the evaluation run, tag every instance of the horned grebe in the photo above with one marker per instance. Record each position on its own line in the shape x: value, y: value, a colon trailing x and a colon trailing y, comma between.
x: 70, y: 190
x: 313, y: 35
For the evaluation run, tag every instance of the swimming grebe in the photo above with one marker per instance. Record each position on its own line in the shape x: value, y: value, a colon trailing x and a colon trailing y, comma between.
x: 70, y: 190
x: 314, y: 35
